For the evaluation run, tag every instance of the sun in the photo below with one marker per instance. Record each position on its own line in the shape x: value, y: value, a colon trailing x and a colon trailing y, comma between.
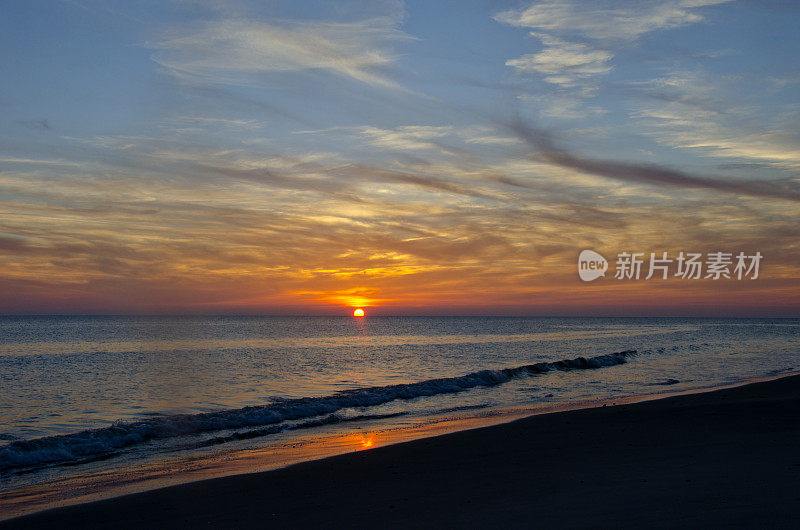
x: 358, y: 312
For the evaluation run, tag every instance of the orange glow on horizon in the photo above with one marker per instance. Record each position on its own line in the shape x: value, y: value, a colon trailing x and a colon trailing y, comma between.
x: 358, y: 312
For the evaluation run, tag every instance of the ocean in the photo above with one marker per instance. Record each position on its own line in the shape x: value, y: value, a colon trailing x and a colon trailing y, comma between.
x: 107, y: 396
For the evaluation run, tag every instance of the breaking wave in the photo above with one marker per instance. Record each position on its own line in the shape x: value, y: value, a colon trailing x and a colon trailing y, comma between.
x: 97, y: 443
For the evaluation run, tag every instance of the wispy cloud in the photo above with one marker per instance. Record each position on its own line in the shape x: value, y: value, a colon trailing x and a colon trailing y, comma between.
x: 222, y: 122
x: 606, y: 20
x: 238, y: 228
x: 651, y: 174
x: 576, y: 36
x: 693, y: 110
x: 564, y: 63
x: 407, y: 137
x: 238, y: 51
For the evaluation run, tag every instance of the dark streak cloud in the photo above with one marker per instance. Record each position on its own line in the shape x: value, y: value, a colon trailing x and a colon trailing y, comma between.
x: 650, y: 174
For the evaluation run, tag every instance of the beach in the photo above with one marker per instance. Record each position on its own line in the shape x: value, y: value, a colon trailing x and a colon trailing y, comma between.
x: 725, y: 458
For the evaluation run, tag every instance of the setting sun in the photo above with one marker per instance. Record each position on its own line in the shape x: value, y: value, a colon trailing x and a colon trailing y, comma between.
x: 358, y: 312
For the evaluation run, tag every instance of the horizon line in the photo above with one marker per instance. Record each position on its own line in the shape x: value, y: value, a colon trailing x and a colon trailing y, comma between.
x: 385, y: 315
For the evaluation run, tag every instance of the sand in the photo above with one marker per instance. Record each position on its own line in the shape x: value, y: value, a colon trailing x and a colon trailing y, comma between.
x: 728, y: 458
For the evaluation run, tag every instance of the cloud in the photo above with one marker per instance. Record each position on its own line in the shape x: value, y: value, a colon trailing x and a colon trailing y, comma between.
x: 562, y: 105
x: 407, y: 137
x: 17, y: 160
x: 223, y: 122
x: 694, y: 112
x: 238, y: 228
x: 604, y: 20
x: 651, y: 174
x: 435, y: 139
x: 237, y: 51
x: 39, y: 125
x: 576, y: 35
x: 779, y: 149
x: 563, y: 63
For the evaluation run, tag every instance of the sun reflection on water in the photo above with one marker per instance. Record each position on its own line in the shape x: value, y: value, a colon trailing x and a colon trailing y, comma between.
x: 367, y: 441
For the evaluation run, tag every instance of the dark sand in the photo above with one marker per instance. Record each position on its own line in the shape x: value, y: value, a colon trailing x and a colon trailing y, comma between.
x: 729, y: 458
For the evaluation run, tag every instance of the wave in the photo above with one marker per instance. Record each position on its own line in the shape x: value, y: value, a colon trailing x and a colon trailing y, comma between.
x: 95, y: 443
x: 274, y: 429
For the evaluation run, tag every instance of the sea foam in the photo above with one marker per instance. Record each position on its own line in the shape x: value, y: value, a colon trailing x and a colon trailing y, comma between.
x: 97, y: 443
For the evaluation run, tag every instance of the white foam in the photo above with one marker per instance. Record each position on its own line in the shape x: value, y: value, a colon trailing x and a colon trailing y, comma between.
x: 96, y: 443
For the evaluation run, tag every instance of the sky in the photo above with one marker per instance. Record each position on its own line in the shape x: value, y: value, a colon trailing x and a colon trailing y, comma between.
x: 419, y: 157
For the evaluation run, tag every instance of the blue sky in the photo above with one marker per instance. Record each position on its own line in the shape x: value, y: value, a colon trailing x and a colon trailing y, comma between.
x: 269, y: 155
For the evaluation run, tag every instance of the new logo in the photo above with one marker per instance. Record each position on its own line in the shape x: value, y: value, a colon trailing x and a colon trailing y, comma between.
x: 591, y: 265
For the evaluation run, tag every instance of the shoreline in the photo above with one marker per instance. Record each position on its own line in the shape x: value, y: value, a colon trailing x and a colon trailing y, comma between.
x: 114, y: 481
x: 392, y: 478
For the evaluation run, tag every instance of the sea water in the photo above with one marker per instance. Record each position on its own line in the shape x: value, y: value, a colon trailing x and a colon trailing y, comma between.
x: 75, y: 391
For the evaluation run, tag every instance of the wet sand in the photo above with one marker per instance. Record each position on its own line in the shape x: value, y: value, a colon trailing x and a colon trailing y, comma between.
x: 728, y: 458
